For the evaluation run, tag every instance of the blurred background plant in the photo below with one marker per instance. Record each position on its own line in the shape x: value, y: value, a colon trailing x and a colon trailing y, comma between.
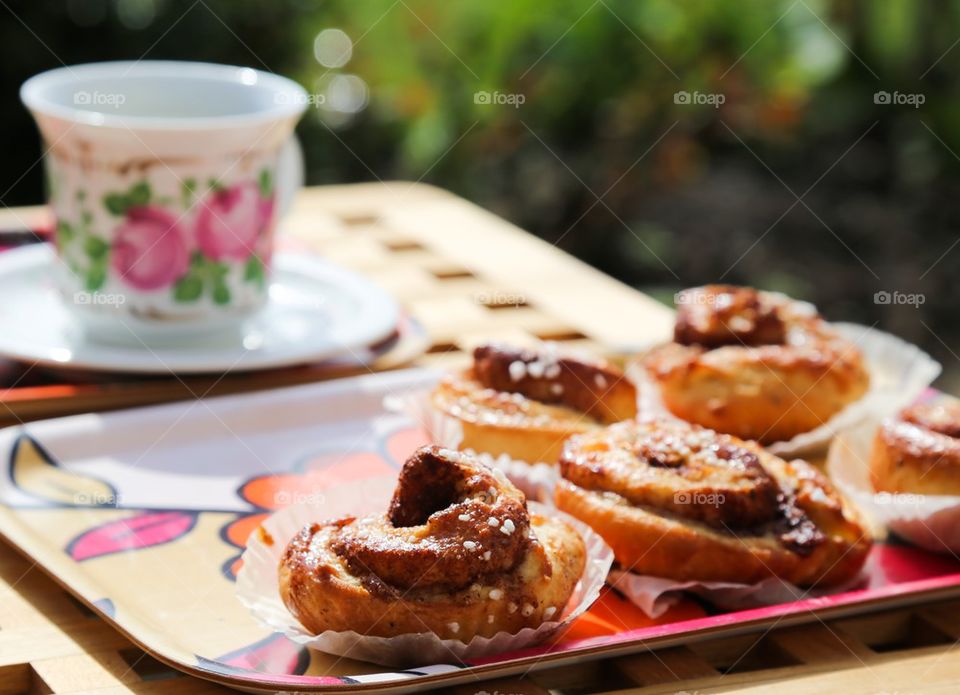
x: 667, y: 143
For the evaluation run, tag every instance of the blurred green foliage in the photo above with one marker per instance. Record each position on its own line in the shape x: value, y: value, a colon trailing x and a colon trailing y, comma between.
x: 799, y: 180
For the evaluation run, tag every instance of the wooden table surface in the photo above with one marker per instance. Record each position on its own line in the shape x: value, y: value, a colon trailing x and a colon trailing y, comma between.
x: 468, y: 276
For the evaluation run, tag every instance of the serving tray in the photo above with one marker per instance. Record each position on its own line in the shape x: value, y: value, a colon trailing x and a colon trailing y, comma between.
x: 142, y: 514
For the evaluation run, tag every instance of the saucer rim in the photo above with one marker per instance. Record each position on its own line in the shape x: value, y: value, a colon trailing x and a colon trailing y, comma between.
x: 157, y: 359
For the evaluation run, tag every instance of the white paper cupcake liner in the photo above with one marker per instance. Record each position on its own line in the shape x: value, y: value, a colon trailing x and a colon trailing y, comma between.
x: 258, y: 589
x: 655, y: 595
x: 931, y: 522
x: 899, y: 372
x: 535, y: 479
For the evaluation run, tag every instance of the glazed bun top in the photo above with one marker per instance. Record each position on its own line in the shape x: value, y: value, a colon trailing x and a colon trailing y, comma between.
x: 942, y: 417
x: 553, y: 376
x: 717, y: 315
x: 928, y: 433
x: 439, y: 530
x: 686, y: 471
x: 918, y: 450
x: 756, y: 364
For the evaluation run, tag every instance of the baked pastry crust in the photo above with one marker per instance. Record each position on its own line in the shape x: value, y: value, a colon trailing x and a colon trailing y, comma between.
x: 525, y: 402
x: 918, y: 451
x: 680, y: 501
x: 457, y: 554
x: 754, y: 364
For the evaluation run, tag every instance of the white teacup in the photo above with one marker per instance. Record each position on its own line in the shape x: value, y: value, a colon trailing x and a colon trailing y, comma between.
x: 166, y: 180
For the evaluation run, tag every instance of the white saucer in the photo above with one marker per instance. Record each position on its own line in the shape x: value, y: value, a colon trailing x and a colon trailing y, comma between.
x: 316, y: 311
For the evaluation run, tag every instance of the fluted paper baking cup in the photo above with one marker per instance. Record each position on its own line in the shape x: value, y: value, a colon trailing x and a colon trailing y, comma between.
x: 258, y: 588
x: 655, y: 595
x: 899, y: 372
x: 931, y: 522
x: 536, y: 479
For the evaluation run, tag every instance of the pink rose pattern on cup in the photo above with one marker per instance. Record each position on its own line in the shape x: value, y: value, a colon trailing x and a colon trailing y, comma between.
x: 150, y: 248
x: 184, y: 246
x: 230, y: 221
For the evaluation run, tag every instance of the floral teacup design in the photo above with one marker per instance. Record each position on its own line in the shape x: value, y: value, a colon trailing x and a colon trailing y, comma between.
x: 166, y: 180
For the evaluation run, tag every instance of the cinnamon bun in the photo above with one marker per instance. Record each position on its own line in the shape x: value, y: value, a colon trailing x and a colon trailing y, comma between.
x: 680, y: 501
x: 754, y: 364
x: 457, y: 554
x: 918, y: 451
x: 524, y: 402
